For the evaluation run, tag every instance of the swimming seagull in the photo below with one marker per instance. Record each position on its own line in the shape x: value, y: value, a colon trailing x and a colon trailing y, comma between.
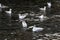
x: 2, y: 6
x: 49, y: 4
x: 24, y: 25
x: 22, y: 16
x: 43, y: 9
x: 42, y: 18
x: 36, y: 29
x: 9, y: 12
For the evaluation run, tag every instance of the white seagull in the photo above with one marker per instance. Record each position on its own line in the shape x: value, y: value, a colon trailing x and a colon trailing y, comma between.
x: 42, y: 18
x: 43, y: 9
x: 9, y: 12
x: 49, y: 4
x: 2, y: 6
x: 36, y: 29
x: 21, y: 16
x: 24, y: 24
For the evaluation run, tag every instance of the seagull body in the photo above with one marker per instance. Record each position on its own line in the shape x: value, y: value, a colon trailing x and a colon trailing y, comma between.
x: 36, y: 29
x: 9, y: 12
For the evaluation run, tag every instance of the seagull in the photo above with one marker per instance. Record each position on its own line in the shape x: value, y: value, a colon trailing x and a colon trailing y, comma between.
x: 22, y: 16
x: 42, y: 18
x: 5, y: 39
x: 49, y: 4
x: 2, y: 6
x: 36, y: 29
x: 24, y: 25
x: 9, y: 12
x: 43, y: 8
